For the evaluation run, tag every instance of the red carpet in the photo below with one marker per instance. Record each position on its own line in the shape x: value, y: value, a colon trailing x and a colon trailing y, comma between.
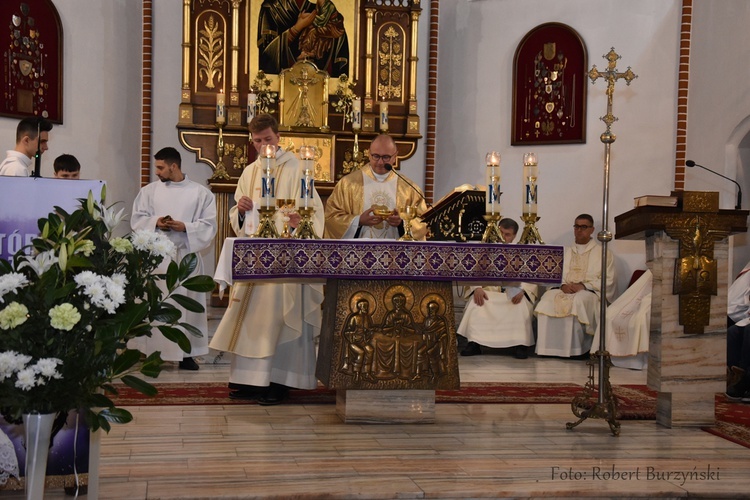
x: 634, y: 402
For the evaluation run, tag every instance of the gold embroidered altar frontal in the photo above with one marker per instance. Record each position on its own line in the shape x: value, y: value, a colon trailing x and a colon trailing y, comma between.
x: 261, y: 258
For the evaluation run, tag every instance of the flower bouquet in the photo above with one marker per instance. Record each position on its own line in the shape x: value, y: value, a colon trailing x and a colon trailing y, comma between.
x: 69, y: 306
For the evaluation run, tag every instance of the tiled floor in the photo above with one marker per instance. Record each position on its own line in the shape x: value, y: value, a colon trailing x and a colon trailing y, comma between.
x: 472, y: 451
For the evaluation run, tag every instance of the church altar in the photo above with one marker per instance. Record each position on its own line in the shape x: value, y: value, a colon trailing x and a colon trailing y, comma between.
x: 388, y: 336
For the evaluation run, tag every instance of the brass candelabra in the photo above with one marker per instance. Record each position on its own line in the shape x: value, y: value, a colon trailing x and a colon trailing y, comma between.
x: 306, y: 230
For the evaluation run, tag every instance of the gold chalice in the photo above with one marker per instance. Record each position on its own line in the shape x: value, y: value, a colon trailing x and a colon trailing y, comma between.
x: 407, y: 213
x: 286, y: 207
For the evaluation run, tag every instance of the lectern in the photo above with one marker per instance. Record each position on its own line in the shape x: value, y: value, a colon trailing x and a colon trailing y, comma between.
x: 687, y: 252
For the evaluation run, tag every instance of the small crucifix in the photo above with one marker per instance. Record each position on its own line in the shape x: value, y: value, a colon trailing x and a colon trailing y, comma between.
x: 611, y: 75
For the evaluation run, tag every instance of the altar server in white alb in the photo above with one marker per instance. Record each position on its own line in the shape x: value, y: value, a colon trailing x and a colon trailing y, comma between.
x: 269, y: 328
x: 32, y: 136
x: 186, y: 212
x: 567, y: 317
x: 497, y: 316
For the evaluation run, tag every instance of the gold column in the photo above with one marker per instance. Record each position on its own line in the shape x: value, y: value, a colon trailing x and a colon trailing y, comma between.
x: 186, y: 109
x: 369, y: 58
x: 412, y: 126
x: 234, y: 115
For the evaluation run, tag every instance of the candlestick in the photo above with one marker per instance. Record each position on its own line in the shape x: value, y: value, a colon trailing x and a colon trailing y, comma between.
x: 357, y: 114
x: 530, y: 176
x: 383, y: 116
x: 307, y: 182
x: 251, y: 101
x: 492, y: 175
x: 221, y: 116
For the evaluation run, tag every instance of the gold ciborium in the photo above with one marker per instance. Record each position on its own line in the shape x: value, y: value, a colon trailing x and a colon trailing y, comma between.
x: 382, y: 211
x: 286, y: 207
x: 407, y: 213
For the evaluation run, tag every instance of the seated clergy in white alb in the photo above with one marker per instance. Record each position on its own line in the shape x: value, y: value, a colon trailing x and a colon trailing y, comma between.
x: 567, y: 316
x: 500, y: 316
x: 628, y: 323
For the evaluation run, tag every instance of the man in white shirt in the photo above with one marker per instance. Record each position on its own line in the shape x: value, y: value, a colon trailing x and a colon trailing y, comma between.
x: 186, y: 212
x: 32, y: 136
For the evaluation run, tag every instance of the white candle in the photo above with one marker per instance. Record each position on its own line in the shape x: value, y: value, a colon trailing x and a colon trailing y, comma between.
x: 221, y: 116
x: 530, y: 186
x: 356, y: 113
x: 251, y: 100
x: 307, y: 181
x: 383, y: 116
x: 268, y: 183
x: 492, y: 175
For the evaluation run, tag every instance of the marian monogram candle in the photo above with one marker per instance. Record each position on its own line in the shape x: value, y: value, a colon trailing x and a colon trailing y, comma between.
x: 307, y: 181
x: 268, y: 183
x: 384, y: 117
x: 492, y: 199
x: 530, y: 176
x: 251, y: 101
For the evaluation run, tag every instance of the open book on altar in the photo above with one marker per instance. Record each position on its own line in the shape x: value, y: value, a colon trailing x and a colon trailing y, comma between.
x: 653, y: 200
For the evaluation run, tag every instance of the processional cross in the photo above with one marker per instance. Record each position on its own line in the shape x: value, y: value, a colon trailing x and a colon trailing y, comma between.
x: 605, y: 405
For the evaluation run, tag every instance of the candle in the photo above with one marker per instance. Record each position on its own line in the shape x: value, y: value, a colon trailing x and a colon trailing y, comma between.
x: 530, y: 175
x: 492, y: 197
x: 307, y: 182
x: 220, y: 108
x: 383, y: 116
x: 356, y: 113
x: 268, y: 183
x: 251, y: 100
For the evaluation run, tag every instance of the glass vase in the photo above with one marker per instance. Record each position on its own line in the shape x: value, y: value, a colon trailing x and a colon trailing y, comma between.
x: 37, y: 432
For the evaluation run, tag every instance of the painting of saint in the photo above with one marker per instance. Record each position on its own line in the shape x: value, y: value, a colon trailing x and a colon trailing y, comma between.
x: 294, y: 30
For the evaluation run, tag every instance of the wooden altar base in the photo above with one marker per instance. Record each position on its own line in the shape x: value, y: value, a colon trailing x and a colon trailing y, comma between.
x: 386, y: 406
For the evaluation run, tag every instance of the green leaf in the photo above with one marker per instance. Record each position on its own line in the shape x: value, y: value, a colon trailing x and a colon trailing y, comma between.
x: 172, y: 275
x: 167, y: 313
x: 188, y: 265
x: 175, y: 335
x: 191, y: 305
x: 139, y: 385
x: 126, y: 360
x: 191, y: 329
x: 115, y: 415
x: 101, y: 401
x: 200, y: 283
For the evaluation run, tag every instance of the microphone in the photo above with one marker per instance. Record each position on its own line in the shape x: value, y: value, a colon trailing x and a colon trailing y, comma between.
x: 389, y: 167
x: 691, y: 163
x: 38, y: 155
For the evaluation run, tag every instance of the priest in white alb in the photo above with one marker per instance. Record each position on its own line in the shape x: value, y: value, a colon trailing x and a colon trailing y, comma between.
x: 185, y: 212
x: 567, y: 316
x: 269, y: 328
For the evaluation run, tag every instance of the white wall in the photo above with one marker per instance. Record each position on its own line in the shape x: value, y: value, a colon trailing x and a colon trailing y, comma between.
x: 719, y: 106
x: 101, y: 94
x: 477, y: 42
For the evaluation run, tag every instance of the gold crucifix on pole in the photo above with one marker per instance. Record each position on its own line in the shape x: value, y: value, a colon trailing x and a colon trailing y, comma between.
x: 606, y: 404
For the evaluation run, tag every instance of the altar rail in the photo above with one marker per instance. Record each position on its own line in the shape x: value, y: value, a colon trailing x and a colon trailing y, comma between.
x: 256, y: 259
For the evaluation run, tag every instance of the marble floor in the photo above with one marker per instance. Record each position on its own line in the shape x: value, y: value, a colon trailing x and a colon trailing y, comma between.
x: 472, y: 451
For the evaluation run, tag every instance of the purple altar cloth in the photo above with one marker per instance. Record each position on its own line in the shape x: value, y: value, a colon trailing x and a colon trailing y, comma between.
x: 256, y: 258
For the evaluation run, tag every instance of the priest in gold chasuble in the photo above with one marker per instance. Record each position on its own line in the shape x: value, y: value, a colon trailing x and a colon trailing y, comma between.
x: 366, y: 203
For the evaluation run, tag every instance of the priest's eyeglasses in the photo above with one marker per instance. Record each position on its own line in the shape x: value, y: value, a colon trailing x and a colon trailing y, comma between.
x: 385, y: 158
x: 582, y: 227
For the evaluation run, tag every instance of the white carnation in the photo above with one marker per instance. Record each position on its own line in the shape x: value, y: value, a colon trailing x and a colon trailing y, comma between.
x: 26, y: 379
x: 10, y: 283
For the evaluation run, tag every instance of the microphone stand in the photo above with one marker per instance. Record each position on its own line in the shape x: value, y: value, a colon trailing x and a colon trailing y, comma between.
x: 38, y: 156
x: 389, y: 167
x: 738, y: 206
